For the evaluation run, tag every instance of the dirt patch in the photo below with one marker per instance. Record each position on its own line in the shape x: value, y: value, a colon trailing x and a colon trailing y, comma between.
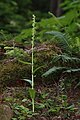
x: 5, y: 112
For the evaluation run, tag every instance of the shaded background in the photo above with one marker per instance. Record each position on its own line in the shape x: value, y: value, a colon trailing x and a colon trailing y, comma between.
x: 14, y: 14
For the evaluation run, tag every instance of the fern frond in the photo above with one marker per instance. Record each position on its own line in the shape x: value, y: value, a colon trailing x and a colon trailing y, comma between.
x: 72, y: 70
x: 65, y: 58
x: 53, y: 70
x: 62, y: 39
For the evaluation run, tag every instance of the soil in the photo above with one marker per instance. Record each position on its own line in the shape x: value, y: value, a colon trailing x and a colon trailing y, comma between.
x: 19, y: 93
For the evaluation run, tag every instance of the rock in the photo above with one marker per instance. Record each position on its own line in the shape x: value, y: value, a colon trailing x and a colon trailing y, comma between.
x: 5, y: 112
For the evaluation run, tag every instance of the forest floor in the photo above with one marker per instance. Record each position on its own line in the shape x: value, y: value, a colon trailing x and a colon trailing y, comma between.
x: 49, y: 104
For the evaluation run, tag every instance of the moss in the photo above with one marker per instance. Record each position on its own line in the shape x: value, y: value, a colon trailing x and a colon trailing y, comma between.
x: 11, y: 72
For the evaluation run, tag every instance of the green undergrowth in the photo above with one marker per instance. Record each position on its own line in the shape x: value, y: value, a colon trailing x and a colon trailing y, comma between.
x: 48, y: 103
x: 13, y: 69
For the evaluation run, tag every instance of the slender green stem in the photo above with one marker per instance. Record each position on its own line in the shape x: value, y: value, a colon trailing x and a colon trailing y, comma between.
x: 32, y: 65
x: 33, y: 37
x: 33, y: 105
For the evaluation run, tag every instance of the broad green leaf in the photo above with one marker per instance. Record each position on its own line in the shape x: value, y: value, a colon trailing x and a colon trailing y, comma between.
x: 32, y: 93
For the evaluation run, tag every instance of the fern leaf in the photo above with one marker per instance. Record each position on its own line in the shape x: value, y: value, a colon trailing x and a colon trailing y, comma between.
x: 60, y: 36
x: 65, y: 58
x: 63, y: 40
x: 73, y: 70
x: 53, y: 70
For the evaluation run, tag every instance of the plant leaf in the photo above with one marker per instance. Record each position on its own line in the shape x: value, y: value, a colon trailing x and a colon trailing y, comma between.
x: 60, y: 36
x: 32, y: 93
x: 8, y: 48
x: 53, y: 70
x: 73, y: 70
x: 38, y: 68
x: 27, y: 63
x: 65, y: 58
x: 27, y: 80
